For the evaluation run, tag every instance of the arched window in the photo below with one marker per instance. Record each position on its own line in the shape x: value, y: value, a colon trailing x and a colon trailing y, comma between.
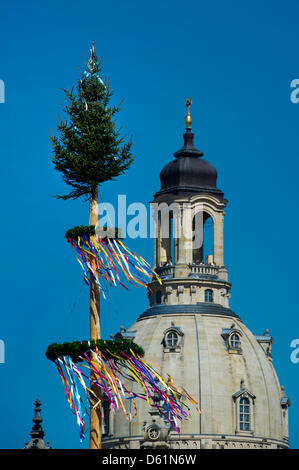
x: 203, y: 237
x: 208, y: 295
x: 244, y: 414
x: 197, y: 239
x: 106, y: 417
x: 235, y: 342
x: 208, y: 234
x: 158, y: 297
x: 172, y: 339
x: 244, y: 410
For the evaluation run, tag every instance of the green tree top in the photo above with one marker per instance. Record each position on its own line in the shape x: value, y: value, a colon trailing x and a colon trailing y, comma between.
x: 89, y: 148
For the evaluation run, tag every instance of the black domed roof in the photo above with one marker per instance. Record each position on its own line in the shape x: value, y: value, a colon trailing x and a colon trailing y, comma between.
x: 188, y: 171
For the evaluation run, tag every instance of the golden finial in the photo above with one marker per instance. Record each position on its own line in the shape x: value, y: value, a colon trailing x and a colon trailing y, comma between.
x: 188, y: 118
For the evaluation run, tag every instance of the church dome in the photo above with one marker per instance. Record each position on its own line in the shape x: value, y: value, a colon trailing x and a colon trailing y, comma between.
x: 219, y: 375
x: 188, y: 170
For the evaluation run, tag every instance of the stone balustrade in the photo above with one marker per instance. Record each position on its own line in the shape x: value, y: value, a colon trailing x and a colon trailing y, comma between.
x: 203, y: 269
x: 168, y: 271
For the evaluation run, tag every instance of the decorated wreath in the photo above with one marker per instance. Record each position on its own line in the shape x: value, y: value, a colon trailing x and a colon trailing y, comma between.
x: 111, y: 365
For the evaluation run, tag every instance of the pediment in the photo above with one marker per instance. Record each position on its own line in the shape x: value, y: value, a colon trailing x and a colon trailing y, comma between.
x: 244, y: 392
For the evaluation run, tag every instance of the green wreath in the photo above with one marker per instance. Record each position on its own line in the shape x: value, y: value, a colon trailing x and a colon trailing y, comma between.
x: 77, y: 349
x: 89, y: 230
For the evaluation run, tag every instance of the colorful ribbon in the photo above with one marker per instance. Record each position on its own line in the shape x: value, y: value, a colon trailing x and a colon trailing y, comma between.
x: 110, y: 374
x: 111, y: 261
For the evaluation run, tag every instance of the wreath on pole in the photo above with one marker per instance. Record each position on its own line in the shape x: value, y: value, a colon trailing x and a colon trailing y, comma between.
x: 121, y: 375
x: 106, y: 259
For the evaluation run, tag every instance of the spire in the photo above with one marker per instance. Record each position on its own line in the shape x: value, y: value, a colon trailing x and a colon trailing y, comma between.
x: 37, y: 432
x: 188, y: 118
x: 188, y: 150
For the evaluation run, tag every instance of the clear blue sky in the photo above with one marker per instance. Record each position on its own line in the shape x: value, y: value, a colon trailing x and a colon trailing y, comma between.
x: 236, y: 61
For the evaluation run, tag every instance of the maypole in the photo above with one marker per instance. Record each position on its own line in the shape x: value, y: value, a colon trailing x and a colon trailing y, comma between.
x: 95, y: 325
x: 88, y: 151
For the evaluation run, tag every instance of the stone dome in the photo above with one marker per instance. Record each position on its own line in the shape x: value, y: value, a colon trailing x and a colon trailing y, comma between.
x: 216, y: 377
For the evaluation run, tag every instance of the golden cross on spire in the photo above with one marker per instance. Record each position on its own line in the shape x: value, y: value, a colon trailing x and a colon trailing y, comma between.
x: 188, y: 118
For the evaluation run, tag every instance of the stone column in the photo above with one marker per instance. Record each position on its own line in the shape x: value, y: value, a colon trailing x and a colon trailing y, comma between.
x: 163, y: 237
x: 183, y: 241
x: 218, y: 239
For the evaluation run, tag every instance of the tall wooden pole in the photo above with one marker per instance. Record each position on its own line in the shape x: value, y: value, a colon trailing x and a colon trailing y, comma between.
x: 95, y: 327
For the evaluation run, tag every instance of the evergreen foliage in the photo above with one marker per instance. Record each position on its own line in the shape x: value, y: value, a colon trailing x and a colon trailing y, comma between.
x: 77, y: 349
x: 89, y: 148
x: 76, y: 232
x: 89, y: 230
